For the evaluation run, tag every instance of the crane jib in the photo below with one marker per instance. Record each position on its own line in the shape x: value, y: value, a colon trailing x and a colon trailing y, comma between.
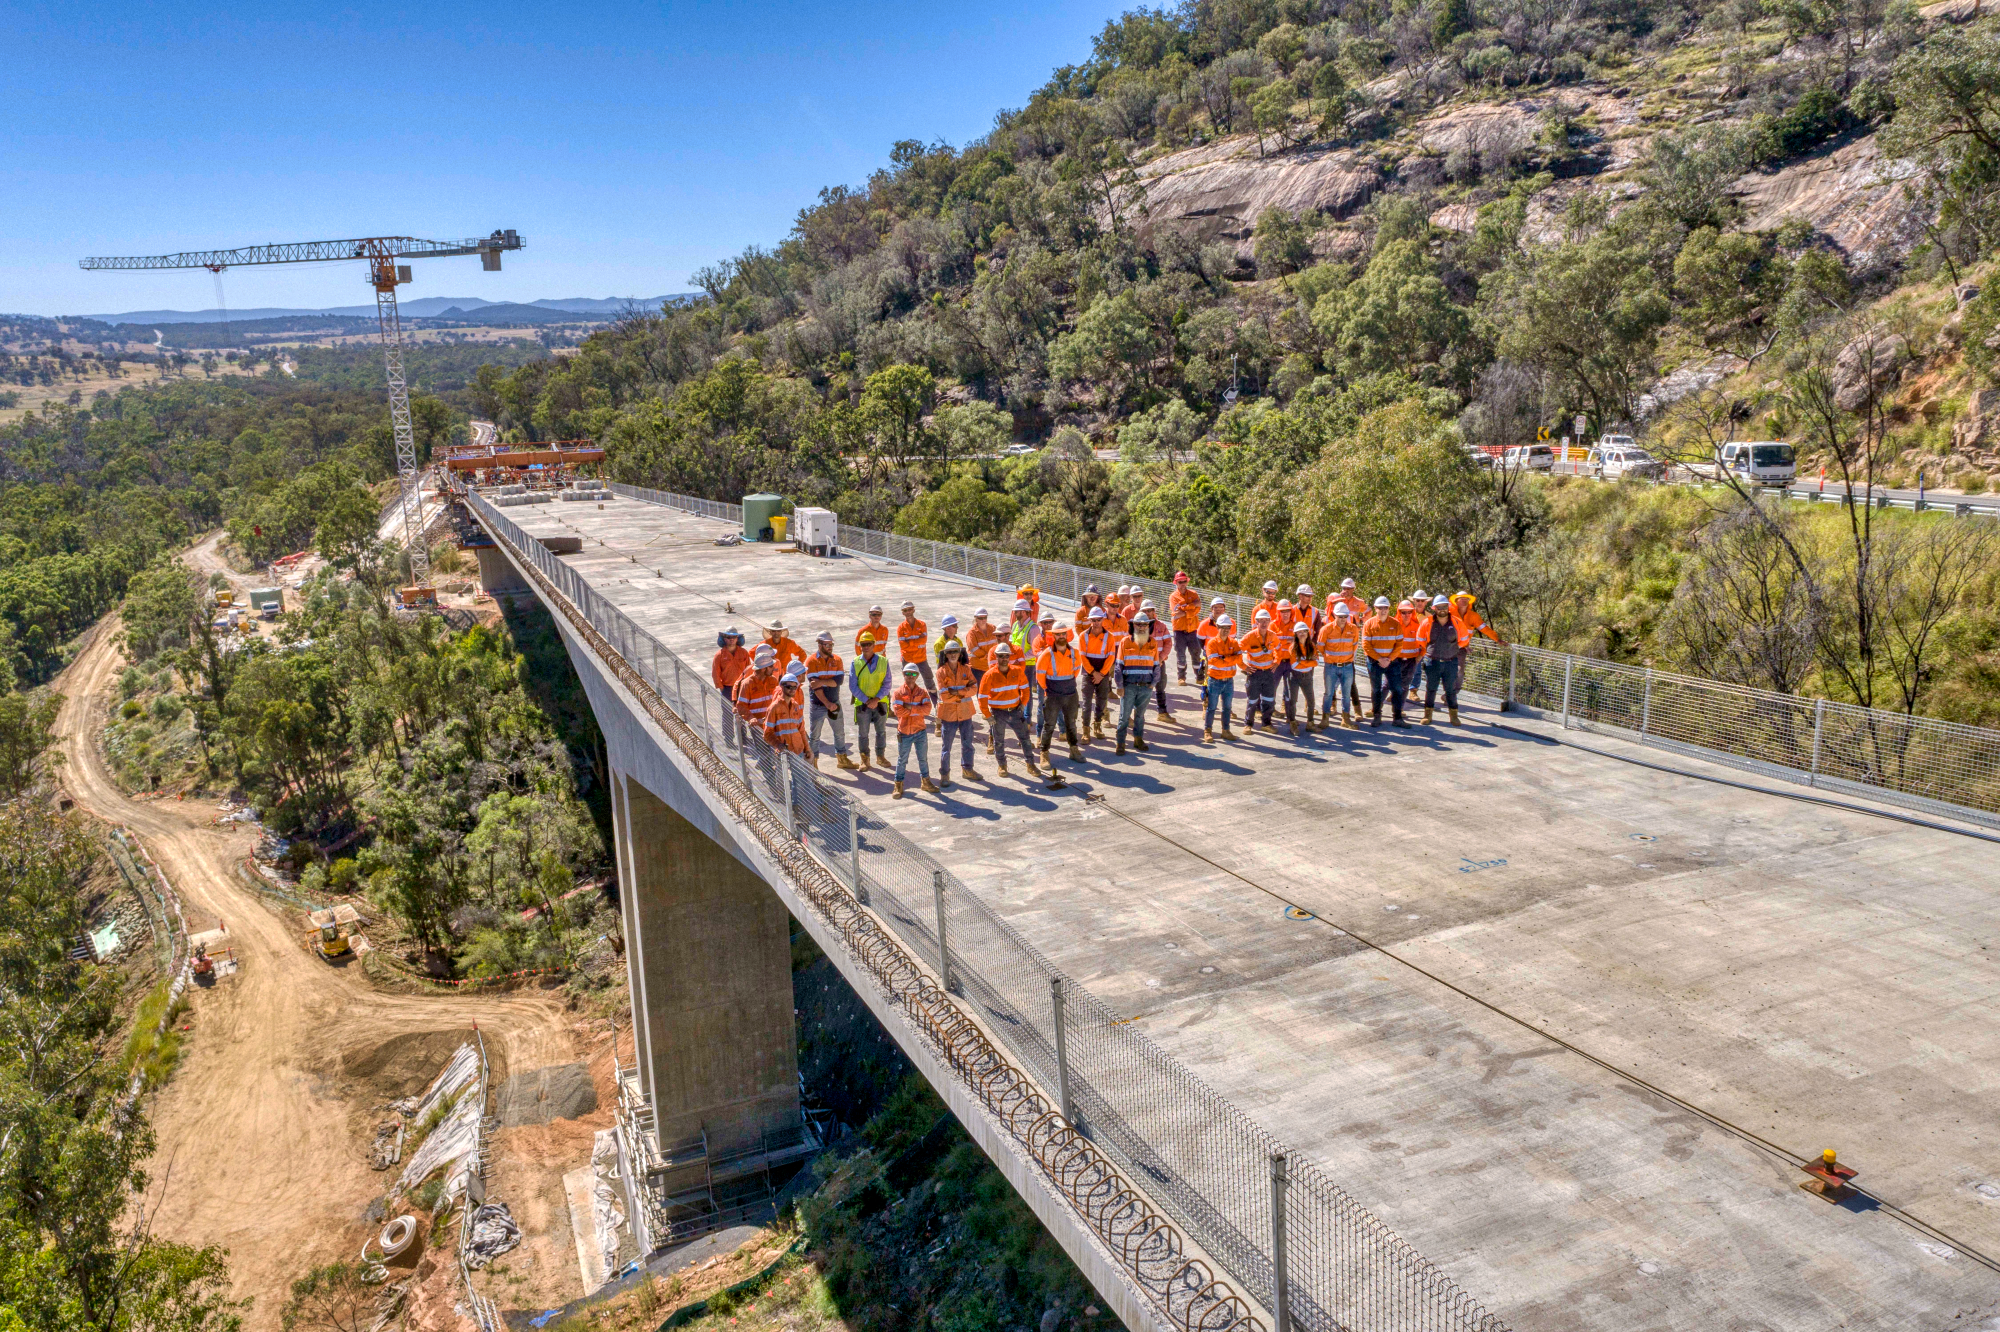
x: 310, y: 252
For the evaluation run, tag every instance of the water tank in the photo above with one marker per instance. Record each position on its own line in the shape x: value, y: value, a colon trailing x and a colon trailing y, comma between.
x: 757, y: 513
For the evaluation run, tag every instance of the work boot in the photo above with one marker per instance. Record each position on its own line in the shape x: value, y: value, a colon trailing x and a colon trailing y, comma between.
x: 1139, y: 743
x: 1351, y: 723
x: 1227, y: 734
x: 1208, y: 735
x: 881, y: 758
x: 844, y: 763
x: 1029, y: 759
x: 968, y: 774
x: 1399, y: 720
x: 1166, y: 716
x: 813, y: 758
x: 1121, y: 743
x: 1427, y: 714
x: 863, y: 765
x: 897, y: 794
x: 1454, y: 715
x: 1002, y: 763
x: 1182, y: 680
x: 1045, y: 752
x: 926, y: 784
x: 1295, y: 729
x: 1075, y: 754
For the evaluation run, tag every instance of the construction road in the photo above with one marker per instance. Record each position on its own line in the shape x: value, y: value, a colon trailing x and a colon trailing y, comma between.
x: 263, y: 1138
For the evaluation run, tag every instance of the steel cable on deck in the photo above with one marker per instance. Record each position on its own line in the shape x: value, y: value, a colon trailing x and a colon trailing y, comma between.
x: 1728, y: 1126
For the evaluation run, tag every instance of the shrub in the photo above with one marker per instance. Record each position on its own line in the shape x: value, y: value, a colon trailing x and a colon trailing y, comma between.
x: 131, y: 708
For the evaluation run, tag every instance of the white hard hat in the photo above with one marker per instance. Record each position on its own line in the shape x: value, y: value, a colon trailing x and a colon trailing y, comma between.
x: 979, y: 614
x: 775, y: 627
x: 1218, y: 602
x: 1097, y: 612
x: 1022, y: 604
x: 1347, y: 582
x: 874, y: 610
x: 1340, y: 608
x: 1440, y: 600
x: 1270, y: 585
x: 1223, y: 622
x: 949, y: 619
x: 1305, y: 590
x: 765, y: 655
x: 1381, y: 603
x: 1262, y: 615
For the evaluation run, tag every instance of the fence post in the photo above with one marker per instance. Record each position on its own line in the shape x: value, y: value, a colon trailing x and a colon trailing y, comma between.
x: 1819, y: 724
x: 1569, y: 669
x: 944, y: 949
x: 854, y: 852
x: 743, y: 753
x: 1513, y: 660
x: 1646, y: 704
x: 1281, y: 1294
x: 791, y: 809
x: 1062, y: 1051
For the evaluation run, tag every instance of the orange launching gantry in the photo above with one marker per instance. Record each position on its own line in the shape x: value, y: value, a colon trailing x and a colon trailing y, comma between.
x: 385, y: 275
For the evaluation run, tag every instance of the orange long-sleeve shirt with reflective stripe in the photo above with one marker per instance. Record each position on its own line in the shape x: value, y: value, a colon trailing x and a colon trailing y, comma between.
x: 877, y: 630
x: 1416, y: 635
x: 979, y: 641
x: 913, y: 708
x: 1184, y: 605
x: 1260, y: 650
x: 1223, y: 656
x: 785, y: 723
x: 1058, y: 661
x: 1382, y: 637
x: 911, y: 636
x: 1002, y: 687
x: 754, y: 693
x: 1338, y: 640
x: 957, y: 687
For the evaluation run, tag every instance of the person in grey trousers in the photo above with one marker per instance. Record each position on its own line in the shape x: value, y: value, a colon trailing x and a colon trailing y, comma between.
x: 1442, y: 659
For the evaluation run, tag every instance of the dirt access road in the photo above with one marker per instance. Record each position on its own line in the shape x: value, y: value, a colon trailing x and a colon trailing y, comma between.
x: 263, y: 1131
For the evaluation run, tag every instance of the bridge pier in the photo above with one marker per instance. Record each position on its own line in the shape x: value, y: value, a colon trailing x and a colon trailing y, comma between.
x: 708, y: 952
x: 496, y: 572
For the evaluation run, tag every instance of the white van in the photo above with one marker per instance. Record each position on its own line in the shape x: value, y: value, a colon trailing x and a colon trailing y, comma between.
x: 1532, y: 457
x: 1762, y: 462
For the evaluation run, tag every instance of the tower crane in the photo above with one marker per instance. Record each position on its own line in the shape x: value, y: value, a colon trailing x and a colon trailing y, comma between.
x: 380, y: 253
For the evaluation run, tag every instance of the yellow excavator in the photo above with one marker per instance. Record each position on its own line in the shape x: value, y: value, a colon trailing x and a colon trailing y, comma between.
x: 333, y: 925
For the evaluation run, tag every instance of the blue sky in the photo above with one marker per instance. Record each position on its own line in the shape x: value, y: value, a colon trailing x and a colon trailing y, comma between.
x: 628, y: 144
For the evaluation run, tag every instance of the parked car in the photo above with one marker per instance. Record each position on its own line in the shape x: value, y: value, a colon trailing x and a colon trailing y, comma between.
x: 1610, y: 462
x: 1531, y: 457
x: 1477, y: 456
x: 1018, y: 450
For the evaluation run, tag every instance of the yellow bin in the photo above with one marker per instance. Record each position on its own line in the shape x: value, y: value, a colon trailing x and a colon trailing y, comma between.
x: 778, y: 521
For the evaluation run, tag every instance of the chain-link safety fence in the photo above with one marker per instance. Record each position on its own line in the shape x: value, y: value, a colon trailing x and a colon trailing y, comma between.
x: 1269, y: 1218
x: 1919, y: 763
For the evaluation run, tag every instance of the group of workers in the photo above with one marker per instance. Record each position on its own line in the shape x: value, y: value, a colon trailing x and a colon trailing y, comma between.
x: 1041, y: 673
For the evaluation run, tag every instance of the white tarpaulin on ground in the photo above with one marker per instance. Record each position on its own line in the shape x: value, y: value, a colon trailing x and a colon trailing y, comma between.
x: 456, y: 1138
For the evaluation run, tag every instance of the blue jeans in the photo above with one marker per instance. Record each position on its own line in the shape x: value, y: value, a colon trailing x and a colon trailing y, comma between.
x: 1339, y: 685
x: 1132, y: 711
x: 963, y: 730
x: 1218, y: 691
x: 921, y: 743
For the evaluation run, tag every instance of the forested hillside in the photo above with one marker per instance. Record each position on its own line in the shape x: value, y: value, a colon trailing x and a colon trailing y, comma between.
x: 1291, y: 257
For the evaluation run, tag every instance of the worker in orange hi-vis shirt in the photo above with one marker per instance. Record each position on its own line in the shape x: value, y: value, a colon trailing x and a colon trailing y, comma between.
x: 875, y: 629
x: 1270, y: 601
x: 1184, y: 610
x: 1138, y: 658
x: 1092, y: 599
x: 776, y: 638
x: 1003, y: 699
x: 1382, y: 639
x: 1306, y: 609
x: 1220, y: 661
x: 1260, y: 667
x: 1301, y: 661
x: 913, y: 719
x: 758, y: 686
x: 979, y: 641
x: 732, y: 659
x: 785, y: 719
x: 913, y: 644
x: 1338, y: 643
x: 1468, y: 620
x: 1163, y: 639
x: 1357, y: 610
x: 1100, y: 650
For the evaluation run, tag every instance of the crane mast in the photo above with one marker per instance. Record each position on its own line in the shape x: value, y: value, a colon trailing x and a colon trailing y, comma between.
x: 385, y: 275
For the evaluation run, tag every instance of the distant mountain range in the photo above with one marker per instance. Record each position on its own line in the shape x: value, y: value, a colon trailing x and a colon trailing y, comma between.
x: 428, y: 307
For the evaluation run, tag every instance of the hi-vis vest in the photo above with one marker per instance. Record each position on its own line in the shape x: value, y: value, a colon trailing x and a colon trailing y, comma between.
x: 1136, y: 661
x: 869, y: 680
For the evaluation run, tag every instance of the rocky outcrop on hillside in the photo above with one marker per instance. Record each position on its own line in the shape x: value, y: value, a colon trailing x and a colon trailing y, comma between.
x: 1852, y: 196
x: 1217, y: 190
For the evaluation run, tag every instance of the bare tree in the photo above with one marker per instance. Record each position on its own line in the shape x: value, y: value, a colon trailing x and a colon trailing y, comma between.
x: 1925, y: 570
x: 1744, y: 611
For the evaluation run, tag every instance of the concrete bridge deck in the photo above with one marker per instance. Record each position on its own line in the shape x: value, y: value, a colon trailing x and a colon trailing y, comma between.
x: 1555, y: 1017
